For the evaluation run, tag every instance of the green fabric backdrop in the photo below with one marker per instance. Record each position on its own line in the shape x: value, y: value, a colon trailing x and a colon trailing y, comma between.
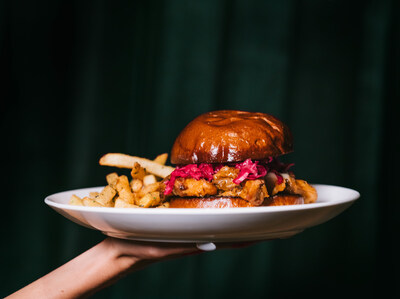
x: 83, y: 78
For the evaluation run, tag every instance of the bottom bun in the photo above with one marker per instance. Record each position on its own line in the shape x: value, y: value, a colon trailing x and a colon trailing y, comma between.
x: 283, y: 200
x: 231, y: 202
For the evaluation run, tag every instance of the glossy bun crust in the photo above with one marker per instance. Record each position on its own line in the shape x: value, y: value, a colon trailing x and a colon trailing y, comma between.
x: 231, y: 136
x: 232, y: 202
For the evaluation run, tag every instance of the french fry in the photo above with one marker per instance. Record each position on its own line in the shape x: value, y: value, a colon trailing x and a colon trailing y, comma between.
x: 148, y: 189
x: 112, y: 178
x: 126, y: 161
x: 149, y: 179
x: 161, y: 159
x: 124, y: 189
x: 138, y: 172
x: 163, y: 205
x: 136, y: 185
x: 149, y: 200
x: 105, y: 197
x: 120, y: 203
x: 90, y: 202
x: 93, y: 194
x: 75, y: 201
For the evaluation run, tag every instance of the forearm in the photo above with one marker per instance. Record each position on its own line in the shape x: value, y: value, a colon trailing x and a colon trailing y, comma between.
x: 101, y: 266
x: 89, y: 272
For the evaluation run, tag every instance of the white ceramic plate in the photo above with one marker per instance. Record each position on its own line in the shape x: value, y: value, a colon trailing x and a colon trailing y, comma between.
x: 206, y: 225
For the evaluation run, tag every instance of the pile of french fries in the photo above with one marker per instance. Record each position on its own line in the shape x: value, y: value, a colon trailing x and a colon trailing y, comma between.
x: 143, y: 190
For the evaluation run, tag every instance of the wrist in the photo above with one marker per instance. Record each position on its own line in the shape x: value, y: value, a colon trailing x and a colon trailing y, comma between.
x: 118, y: 256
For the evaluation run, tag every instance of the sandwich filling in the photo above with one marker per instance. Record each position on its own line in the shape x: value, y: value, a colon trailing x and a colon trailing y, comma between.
x: 253, y: 181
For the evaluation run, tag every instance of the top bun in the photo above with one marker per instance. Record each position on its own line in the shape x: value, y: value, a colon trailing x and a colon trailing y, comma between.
x: 231, y: 136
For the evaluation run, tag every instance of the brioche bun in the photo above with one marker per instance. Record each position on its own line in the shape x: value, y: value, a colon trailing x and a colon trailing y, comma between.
x: 231, y: 136
x: 232, y: 202
x: 208, y: 202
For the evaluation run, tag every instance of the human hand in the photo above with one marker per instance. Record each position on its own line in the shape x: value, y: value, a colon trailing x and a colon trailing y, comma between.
x: 138, y: 254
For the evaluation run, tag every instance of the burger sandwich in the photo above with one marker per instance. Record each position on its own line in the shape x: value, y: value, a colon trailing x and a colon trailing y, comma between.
x: 229, y: 158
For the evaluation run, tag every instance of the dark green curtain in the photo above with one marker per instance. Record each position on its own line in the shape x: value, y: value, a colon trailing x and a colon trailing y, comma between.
x: 83, y: 78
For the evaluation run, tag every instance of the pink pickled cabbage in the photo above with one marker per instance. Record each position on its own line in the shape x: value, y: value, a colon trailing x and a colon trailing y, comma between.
x: 248, y: 170
x: 196, y: 171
